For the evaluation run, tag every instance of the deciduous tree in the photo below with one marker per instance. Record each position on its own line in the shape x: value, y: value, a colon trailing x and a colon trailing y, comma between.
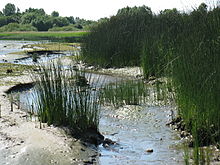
x: 9, y: 9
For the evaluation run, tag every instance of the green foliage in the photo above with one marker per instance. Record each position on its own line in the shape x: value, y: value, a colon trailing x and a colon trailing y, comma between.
x: 27, y: 18
x: 17, y: 27
x: 39, y: 19
x: 184, y: 47
x: 65, y: 28
x: 159, y: 41
x: 59, y: 22
x: 83, y: 22
x: 62, y: 102
x: 201, y: 156
x: 55, y: 14
x: 42, y: 23
x: 9, y: 9
x: 71, y: 19
x: 118, y: 41
x: 36, y: 11
x: 52, y: 36
x: 3, y: 21
x: 130, y: 92
x: 196, y: 74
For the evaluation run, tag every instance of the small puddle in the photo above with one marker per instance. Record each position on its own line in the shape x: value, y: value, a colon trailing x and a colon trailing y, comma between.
x: 7, y: 47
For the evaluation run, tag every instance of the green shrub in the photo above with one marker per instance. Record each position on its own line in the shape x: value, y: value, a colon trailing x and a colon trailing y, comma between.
x: 17, y: 27
x: 65, y: 28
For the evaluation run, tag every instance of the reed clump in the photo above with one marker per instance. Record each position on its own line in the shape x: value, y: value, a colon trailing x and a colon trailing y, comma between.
x: 196, y: 74
x: 129, y: 92
x: 117, y: 41
x: 184, y: 47
x: 62, y: 101
x: 186, y: 50
x: 189, y: 56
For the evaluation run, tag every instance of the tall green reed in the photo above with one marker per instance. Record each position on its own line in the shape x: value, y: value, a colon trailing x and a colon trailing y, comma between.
x: 117, y: 42
x: 195, y: 74
x: 136, y: 92
x: 63, y: 101
x: 184, y: 47
x: 129, y: 92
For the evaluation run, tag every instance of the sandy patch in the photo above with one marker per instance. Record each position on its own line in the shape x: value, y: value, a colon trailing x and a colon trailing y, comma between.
x: 12, y: 57
x: 23, y: 142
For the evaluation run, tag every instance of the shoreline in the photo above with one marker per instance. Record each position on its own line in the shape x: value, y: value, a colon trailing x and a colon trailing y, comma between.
x: 21, y: 138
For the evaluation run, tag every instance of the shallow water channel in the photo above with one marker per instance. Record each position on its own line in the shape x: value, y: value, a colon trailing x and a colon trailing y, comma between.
x: 136, y: 129
x: 9, y: 52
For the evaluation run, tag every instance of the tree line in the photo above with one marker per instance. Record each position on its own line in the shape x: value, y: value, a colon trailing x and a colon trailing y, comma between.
x: 11, y: 18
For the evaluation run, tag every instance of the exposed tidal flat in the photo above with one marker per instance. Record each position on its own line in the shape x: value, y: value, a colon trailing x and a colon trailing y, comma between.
x: 139, y: 132
x: 32, y: 52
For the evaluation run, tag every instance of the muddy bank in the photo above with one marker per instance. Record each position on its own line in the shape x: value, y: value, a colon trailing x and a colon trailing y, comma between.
x: 20, y: 87
x: 15, y: 47
x: 23, y: 142
x: 137, y: 135
x: 213, y: 151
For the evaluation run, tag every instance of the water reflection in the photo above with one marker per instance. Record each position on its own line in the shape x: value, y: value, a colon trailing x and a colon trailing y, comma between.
x: 135, y: 129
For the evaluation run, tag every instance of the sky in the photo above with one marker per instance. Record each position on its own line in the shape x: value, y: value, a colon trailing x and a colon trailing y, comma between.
x: 96, y: 9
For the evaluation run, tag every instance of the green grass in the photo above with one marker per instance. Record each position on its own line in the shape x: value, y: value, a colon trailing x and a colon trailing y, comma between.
x: 52, y: 36
x: 136, y: 92
x: 17, y: 27
x: 64, y: 28
x: 184, y: 47
x: 54, y: 46
x: 196, y: 76
x: 117, y: 41
x: 130, y: 92
x: 62, y: 101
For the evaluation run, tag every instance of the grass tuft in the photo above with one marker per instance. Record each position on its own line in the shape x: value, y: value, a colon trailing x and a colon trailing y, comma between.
x: 63, y: 102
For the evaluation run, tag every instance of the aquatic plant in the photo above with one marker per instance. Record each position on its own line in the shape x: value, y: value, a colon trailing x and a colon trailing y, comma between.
x: 196, y: 75
x: 129, y: 92
x: 184, y: 47
x: 64, y: 102
x: 117, y: 42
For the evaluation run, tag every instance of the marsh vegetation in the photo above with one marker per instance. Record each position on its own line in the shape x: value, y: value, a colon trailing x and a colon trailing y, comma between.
x: 37, y: 36
x: 62, y: 99
x: 181, y: 46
